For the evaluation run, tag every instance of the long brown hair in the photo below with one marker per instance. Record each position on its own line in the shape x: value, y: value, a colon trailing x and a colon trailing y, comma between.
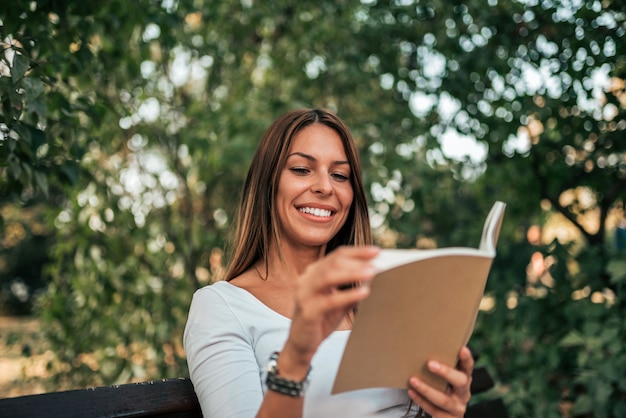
x: 257, y: 222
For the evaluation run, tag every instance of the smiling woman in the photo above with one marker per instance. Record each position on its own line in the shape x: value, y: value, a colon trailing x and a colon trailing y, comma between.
x: 258, y: 222
x: 302, y: 235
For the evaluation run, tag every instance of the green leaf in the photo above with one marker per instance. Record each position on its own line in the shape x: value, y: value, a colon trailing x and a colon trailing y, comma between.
x: 71, y: 171
x: 572, y: 339
x: 20, y: 65
x: 26, y: 175
x: 38, y: 107
x: 583, y: 404
x: 25, y: 138
x: 6, y: 84
x: 15, y: 168
x: 603, y: 391
x: 42, y: 182
x: 617, y: 269
x: 37, y: 138
x: 33, y: 87
x: 16, y: 100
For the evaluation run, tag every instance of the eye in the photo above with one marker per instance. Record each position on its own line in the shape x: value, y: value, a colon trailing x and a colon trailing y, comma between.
x: 300, y: 171
x: 340, y: 177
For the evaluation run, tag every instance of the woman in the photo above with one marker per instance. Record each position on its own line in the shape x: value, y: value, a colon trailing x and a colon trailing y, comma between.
x: 267, y: 341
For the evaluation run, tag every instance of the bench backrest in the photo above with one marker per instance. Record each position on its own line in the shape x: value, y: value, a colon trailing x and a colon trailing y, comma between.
x: 163, y: 398
x: 168, y: 398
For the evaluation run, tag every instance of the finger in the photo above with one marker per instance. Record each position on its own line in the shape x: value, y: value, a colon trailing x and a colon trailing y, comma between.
x: 433, y: 400
x: 348, y: 275
x: 466, y: 361
x: 422, y: 402
x: 348, y: 296
x: 456, y: 378
x: 343, y: 300
x: 334, y: 272
x: 366, y: 252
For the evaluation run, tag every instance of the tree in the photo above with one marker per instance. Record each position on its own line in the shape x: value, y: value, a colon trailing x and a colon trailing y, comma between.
x: 167, y: 100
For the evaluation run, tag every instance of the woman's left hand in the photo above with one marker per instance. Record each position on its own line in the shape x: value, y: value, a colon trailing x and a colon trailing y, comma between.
x: 453, y: 402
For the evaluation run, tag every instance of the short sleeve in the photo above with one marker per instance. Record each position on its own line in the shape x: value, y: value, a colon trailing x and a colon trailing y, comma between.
x: 221, y: 359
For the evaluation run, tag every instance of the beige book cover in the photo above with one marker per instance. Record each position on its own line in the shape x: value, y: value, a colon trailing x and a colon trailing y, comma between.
x: 422, y: 306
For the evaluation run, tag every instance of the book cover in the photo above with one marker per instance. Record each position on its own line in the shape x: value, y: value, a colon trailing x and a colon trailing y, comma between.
x: 422, y: 306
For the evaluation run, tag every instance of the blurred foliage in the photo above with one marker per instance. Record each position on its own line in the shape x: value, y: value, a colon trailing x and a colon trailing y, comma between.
x: 130, y: 125
x: 24, y: 250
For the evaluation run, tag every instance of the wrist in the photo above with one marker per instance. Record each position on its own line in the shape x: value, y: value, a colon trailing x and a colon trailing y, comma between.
x: 292, y: 365
x: 277, y: 381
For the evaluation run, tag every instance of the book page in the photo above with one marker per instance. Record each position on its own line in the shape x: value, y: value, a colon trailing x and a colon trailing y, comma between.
x: 491, y: 230
x: 390, y: 258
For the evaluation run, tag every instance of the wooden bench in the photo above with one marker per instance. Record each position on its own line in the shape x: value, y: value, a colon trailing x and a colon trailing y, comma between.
x: 173, y: 398
x: 168, y: 398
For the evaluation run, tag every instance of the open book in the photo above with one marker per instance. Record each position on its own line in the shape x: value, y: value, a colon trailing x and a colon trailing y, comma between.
x: 422, y: 306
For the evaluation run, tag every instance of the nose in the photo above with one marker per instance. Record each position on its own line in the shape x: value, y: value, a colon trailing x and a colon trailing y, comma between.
x: 322, y: 185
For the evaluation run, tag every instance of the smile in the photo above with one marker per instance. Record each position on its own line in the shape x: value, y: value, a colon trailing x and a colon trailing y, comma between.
x: 324, y: 213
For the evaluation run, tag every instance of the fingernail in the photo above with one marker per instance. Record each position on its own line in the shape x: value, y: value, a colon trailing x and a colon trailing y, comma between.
x: 434, y: 365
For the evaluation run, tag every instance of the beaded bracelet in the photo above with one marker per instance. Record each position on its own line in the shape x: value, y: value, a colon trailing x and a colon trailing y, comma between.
x: 281, y: 385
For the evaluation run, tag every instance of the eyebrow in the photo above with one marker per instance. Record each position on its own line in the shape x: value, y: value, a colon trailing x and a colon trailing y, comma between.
x: 312, y: 158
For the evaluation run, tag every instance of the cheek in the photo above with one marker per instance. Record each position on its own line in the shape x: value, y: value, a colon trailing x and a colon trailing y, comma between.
x: 347, y: 197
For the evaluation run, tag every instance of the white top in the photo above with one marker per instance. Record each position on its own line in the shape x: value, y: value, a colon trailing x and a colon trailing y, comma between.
x: 229, y: 338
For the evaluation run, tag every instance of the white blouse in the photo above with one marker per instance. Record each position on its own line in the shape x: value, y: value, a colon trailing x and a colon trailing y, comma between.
x: 228, y: 339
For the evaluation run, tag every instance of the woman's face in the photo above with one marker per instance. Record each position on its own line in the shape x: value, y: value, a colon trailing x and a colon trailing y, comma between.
x: 314, y: 191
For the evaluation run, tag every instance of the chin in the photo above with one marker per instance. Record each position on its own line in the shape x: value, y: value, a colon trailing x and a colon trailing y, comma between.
x: 316, y: 241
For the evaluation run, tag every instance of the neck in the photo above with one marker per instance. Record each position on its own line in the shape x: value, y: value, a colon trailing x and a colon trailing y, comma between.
x: 292, y: 263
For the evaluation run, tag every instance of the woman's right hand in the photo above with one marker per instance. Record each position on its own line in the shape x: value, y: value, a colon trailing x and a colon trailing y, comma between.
x: 321, y: 306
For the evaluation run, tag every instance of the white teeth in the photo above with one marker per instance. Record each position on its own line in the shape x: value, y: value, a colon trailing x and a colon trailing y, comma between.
x: 316, y: 211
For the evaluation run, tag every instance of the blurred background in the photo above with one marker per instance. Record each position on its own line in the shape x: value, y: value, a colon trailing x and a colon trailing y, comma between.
x: 126, y: 128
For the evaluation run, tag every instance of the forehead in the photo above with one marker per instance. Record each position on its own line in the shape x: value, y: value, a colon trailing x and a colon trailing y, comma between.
x: 318, y: 140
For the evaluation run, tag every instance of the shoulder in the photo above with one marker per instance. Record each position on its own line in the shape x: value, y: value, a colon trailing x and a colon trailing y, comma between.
x: 223, y: 296
x: 216, y: 295
x: 214, y: 290
x: 216, y: 309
